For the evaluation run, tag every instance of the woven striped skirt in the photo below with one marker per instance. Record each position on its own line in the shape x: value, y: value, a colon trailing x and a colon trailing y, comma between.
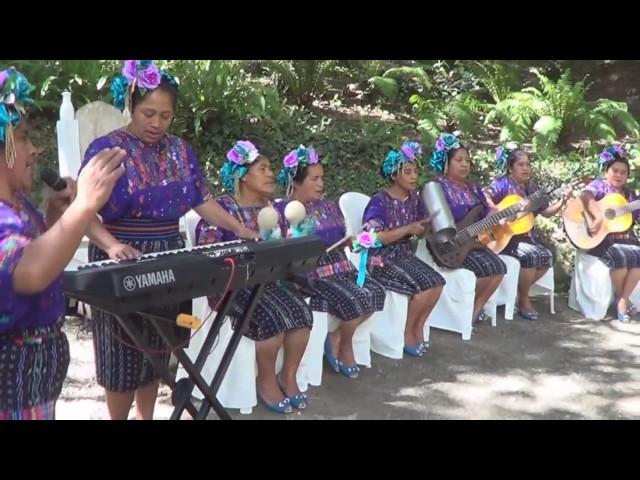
x: 484, y: 263
x: 120, y: 366
x: 402, y: 272
x: 529, y: 252
x: 333, y: 289
x: 280, y: 309
x: 33, y: 366
x: 618, y: 251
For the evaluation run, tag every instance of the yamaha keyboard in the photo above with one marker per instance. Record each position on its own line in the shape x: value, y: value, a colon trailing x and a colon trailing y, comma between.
x: 171, y: 277
x: 130, y: 289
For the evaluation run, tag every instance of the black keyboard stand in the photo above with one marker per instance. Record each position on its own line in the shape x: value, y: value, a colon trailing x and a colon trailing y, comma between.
x: 182, y: 390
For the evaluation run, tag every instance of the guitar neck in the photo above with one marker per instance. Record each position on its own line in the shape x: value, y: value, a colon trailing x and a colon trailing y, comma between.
x: 492, y: 220
x: 632, y: 206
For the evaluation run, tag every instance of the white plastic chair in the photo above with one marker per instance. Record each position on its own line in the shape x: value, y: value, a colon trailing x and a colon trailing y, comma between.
x: 545, y: 286
x: 507, y: 292
x: 591, y: 291
x: 454, y: 310
x: 386, y: 328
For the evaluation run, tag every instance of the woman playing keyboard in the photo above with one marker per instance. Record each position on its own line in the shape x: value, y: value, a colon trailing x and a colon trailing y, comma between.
x: 162, y: 182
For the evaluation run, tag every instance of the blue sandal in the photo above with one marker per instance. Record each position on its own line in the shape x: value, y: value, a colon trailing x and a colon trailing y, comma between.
x: 624, y: 317
x: 414, y: 351
x: 528, y: 315
x: 298, y: 401
x: 282, y: 406
x: 328, y: 354
x: 349, y: 372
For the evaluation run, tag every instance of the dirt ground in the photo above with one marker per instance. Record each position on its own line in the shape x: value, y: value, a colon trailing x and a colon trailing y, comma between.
x: 560, y: 367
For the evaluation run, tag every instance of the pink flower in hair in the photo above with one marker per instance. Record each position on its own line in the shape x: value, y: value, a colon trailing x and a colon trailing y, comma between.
x: 291, y: 160
x: 149, y: 77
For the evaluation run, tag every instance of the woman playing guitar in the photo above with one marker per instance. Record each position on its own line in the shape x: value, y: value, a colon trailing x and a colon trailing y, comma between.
x: 535, y: 259
x: 451, y: 159
x: 619, y: 251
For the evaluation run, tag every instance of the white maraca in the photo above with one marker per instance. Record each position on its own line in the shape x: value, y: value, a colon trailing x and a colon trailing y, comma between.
x: 295, y: 212
x: 267, y: 221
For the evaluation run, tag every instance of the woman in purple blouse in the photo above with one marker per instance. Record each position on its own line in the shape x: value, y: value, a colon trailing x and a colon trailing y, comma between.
x: 333, y: 285
x: 619, y: 251
x: 34, y: 251
x: 451, y: 159
x: 396, y: 214
x: 535, y: 259
x: 163, y: 181
x: 282, y: 317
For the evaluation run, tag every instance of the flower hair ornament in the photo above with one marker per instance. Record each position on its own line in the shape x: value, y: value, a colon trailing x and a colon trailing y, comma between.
x: 243, y: 154
x: 141, y: 74
x: 408, y: 152
x: 444, y: 145
x: 363, y: 242
x: 14, y: 95
x: 502, y: 155
x: 610, y: 154
x: 300, y: 157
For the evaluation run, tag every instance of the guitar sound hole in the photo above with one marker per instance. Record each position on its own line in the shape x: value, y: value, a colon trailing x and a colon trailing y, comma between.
x: 609, y: 214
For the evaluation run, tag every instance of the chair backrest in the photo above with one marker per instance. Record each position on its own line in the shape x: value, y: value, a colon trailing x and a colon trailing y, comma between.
x: 352, y: 205
x: 96, y: 119
x: 191, y: 220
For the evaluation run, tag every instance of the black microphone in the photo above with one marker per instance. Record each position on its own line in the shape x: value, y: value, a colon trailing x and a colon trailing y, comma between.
x: 52, y: 179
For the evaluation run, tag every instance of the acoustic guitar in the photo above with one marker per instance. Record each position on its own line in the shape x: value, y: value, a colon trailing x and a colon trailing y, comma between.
x: 500, y: 235
x: 617, y: 217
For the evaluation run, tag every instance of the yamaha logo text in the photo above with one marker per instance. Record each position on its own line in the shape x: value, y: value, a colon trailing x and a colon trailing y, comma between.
x: 151, y: 279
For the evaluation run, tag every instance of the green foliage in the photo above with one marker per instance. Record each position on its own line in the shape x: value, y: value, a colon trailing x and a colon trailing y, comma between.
x: 349, y: 110
x: 300, y: 80
x: 551, y: 113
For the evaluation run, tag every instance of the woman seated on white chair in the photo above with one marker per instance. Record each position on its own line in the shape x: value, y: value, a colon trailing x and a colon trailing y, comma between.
x: 333, y: 286
x: 396, y: 214
x: 619, y: 251
x: 451, y: 159
x: 535, y: 259
x: 282, y: 316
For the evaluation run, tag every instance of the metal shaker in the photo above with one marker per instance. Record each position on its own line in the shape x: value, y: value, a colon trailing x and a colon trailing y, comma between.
x: 442, y: 224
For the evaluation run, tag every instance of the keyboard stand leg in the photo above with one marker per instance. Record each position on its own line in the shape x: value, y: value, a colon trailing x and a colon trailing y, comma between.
x: 194, y: 370
x: 241, y: 327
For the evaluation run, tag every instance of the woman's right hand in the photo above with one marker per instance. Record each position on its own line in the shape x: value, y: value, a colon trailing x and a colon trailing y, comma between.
x: 417, y: 228
x: 595, y: 225
x: 122, y: 251
x: 98, y: 177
